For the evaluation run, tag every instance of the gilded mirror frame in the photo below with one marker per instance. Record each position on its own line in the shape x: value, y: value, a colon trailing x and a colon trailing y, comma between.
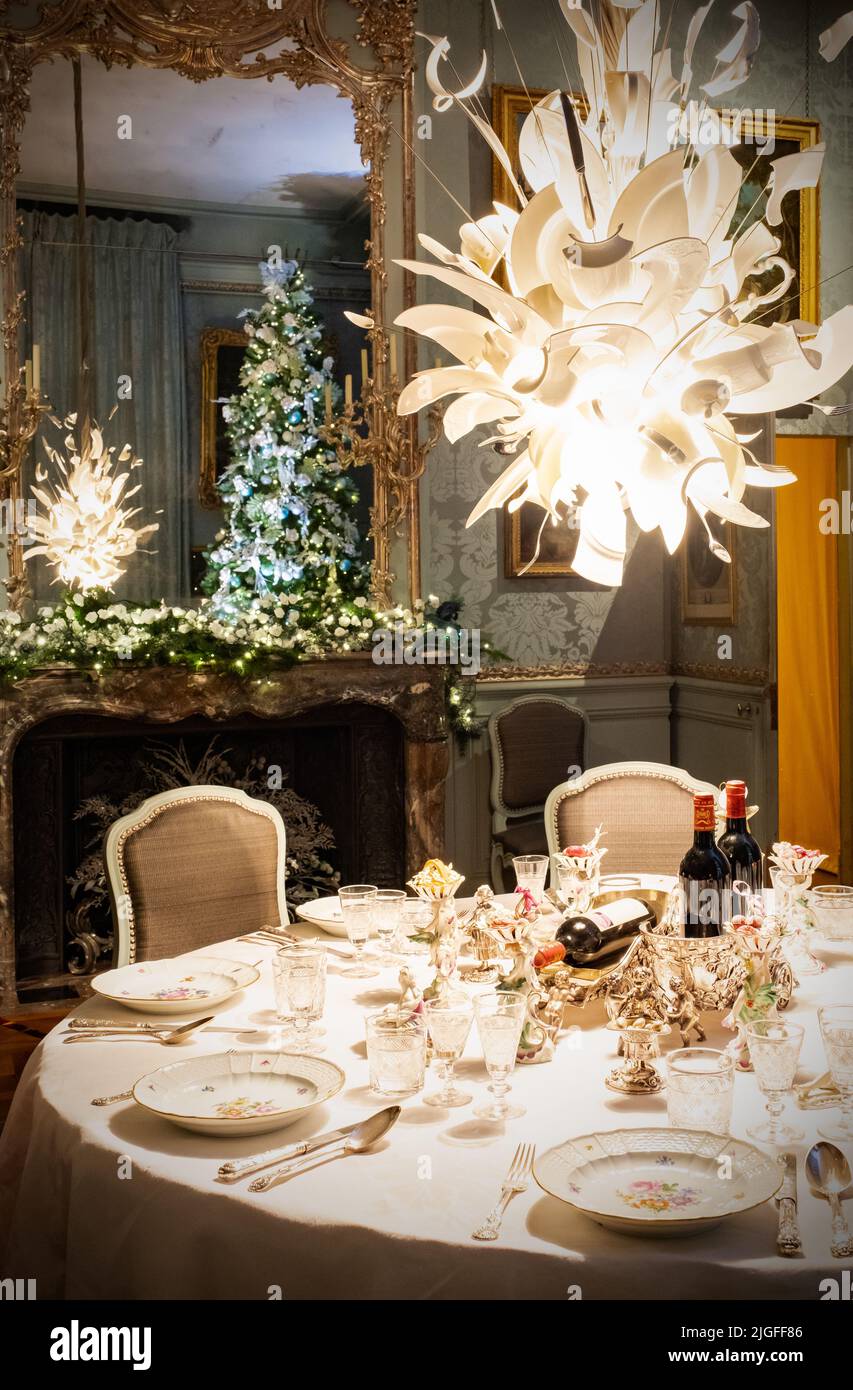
x: 373, y: 69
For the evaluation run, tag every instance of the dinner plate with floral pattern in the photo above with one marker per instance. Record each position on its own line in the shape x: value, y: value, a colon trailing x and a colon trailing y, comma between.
x: 175, y: 986
x: 238, y: 1092
x: 658, y: 1182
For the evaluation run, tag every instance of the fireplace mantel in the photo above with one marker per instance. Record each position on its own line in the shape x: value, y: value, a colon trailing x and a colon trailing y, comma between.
x: 164, y: 696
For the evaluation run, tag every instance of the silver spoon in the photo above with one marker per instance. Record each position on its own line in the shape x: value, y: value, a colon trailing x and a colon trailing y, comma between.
x: 829, y: 1173
x: 169, y: 1038
x: 363, y: 1137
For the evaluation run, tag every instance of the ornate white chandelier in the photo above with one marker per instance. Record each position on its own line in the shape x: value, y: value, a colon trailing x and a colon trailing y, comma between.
x: 85, y: 531
x: 628, y: 334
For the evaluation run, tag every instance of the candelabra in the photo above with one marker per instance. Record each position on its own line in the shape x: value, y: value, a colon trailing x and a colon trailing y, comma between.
x: 20, y: 416
x: 368, y: 430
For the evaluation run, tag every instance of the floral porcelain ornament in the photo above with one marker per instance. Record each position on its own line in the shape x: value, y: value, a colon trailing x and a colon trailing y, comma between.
x: 629, y: 332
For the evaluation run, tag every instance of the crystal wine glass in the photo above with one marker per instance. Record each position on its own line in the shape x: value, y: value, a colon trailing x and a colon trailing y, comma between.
x: 304, y: 970
x: 416, y: 918
x: 774, y: 1048
x: 283, y: 1011
x: 358, y: 902
x: 531, y: 870
x: 836, y: 1029
x: 500, y: 1019
x: 449, y: 1023
x: 386, y: 919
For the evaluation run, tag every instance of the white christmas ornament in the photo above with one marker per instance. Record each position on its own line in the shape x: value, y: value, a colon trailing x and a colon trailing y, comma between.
x: 628, y: 334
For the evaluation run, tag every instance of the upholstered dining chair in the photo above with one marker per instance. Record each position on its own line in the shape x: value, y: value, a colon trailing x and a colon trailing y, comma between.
x: 191, y: 867
x: 531, y: 740
x: 646, y: 810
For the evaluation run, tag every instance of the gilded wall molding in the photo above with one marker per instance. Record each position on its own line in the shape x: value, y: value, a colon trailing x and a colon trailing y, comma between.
x: 573, y: 670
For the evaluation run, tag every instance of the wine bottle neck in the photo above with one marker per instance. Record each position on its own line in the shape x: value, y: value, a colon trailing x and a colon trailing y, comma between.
x: 703, y: 839
x: 736, y: 825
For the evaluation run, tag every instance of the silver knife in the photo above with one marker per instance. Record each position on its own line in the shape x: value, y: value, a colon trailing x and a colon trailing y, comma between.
x: 788, y: 1240
x: 235, y: 1170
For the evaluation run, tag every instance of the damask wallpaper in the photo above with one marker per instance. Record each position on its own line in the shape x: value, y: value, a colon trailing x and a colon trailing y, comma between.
x: 541, y: 621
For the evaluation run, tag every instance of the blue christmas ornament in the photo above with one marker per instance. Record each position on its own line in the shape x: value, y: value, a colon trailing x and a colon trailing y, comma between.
x: 279, y: 274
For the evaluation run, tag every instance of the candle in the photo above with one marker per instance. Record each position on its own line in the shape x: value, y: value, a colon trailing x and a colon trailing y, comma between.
x: 364, y: 372
x: 438, y: 364
x: 348, y: 389
x: 37, y: 369
x: 393, y: 357
x: 328, y: 401
x: 28, y: 376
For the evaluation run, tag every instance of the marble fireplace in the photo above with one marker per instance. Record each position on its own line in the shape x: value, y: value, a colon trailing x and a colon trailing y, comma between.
x: 367, y: 744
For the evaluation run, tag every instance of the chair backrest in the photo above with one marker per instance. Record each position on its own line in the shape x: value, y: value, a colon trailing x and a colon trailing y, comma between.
x: 191, y: 867
x: 531, y: 740
x: 646, y: 810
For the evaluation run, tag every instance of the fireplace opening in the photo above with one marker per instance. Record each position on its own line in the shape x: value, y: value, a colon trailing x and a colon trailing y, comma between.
x: 335, y: 772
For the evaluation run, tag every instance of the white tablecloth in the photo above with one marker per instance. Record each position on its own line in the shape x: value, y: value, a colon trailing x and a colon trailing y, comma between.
x: 395, y: 1223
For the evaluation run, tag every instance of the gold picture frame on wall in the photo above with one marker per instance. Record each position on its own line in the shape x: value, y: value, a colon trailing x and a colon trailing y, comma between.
x: 800, y: 236
x: 800, y: 229
x: 708, y: 584
x: 218, y: 349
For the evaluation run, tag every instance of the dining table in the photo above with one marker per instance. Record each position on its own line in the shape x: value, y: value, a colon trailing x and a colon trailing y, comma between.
x: 115, y: 1202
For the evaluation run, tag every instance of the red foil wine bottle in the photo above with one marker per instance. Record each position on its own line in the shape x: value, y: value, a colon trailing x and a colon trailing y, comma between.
x: 704, y: 876
x: 740, y: 848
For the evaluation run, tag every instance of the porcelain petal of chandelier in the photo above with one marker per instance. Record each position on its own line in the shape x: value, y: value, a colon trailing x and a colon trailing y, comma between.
x: 631, y: 328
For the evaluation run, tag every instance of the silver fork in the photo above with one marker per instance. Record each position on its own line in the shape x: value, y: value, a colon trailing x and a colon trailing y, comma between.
x: 515, y: 1181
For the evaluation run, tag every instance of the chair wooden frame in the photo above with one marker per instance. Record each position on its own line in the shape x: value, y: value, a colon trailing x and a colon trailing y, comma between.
x: 124, y: 949
x: 501, y: 813
x: 610, y: 772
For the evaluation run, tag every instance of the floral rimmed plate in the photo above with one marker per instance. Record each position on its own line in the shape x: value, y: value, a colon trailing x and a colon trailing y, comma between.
x: 326, y: 914
x: 658, y: 1182
x: 175, y: 986
x: 238, y: 1092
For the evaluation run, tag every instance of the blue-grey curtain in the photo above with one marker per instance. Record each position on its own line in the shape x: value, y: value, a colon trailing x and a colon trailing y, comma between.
x: 136, y: 332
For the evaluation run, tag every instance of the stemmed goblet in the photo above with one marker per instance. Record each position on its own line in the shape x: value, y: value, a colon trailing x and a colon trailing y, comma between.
x: 449, y: 1022
x: 358, y: 902
x: 386, y: 917
x: 303, y: 971
x: 774, y: 1048
x: 531, y: 871
x: 836, y: 1029
x: 500, y: 1019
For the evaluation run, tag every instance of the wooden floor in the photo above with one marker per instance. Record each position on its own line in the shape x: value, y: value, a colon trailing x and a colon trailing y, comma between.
x: 19, y: 1037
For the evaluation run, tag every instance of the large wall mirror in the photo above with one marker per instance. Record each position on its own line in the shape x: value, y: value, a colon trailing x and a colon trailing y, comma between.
x: 204, y: 143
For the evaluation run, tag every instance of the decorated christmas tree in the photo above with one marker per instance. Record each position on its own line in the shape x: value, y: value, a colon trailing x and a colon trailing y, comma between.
x: 289, y: 523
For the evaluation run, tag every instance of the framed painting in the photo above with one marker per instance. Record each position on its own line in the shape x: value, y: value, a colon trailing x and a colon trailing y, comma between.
x: 708, y: 586
x: 799, y: 231
x: 524, y: 532
x: 221, y: 351
x: 763, y: 138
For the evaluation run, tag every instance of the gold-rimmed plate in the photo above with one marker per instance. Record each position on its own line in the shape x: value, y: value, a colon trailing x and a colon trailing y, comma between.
x: 177, y: 985
x: 239, y: 1092
x: 658, y: 1182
